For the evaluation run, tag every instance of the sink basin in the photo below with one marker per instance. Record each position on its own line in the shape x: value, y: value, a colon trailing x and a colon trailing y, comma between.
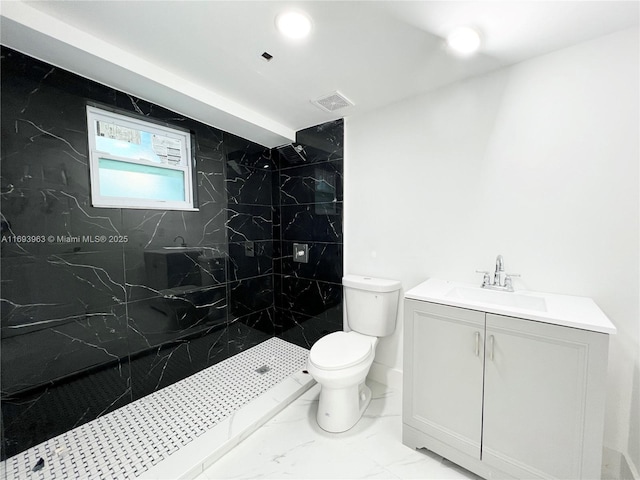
x: 563, y: 310
x: 181, y: 248
x: 496, y: 297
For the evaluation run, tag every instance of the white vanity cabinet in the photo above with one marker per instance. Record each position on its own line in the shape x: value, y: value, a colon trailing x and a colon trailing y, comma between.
x: 504, y: 397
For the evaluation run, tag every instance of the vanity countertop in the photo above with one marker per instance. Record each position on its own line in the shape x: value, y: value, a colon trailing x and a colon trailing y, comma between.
x: 563, y: 310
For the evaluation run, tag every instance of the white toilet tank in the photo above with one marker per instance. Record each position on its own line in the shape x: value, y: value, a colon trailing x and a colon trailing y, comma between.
x: 371, y: 304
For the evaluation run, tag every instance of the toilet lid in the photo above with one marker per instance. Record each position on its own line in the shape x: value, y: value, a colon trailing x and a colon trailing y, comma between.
x: 340, y: 350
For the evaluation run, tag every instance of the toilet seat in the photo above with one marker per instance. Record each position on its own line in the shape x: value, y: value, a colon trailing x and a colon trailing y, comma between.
x: 340, y: 350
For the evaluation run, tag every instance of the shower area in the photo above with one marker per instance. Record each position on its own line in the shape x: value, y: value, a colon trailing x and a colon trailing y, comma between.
x: 89, y: 327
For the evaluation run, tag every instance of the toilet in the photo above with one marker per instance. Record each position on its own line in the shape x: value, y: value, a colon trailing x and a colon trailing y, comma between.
x: 340, y: 361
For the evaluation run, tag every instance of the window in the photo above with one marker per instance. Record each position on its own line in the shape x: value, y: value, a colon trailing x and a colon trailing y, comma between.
x: 138, y: 164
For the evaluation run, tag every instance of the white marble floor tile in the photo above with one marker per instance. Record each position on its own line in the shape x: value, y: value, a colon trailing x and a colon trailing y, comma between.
x: 291, y: 445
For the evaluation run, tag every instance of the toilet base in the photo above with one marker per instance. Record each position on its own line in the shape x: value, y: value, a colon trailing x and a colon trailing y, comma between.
x: 339, y: 409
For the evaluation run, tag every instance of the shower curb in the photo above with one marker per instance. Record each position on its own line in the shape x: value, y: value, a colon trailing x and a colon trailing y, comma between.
x: 191, y: 460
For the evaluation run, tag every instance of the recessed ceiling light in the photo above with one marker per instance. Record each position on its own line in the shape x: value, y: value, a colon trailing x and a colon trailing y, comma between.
x: 293, y: 24
x: 464, y: 40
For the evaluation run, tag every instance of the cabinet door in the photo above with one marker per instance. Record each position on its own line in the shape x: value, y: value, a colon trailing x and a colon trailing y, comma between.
x: 540, y: 399
x: 443, y: 363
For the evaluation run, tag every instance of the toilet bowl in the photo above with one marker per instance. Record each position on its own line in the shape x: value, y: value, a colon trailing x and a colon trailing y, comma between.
x: 340, y: 361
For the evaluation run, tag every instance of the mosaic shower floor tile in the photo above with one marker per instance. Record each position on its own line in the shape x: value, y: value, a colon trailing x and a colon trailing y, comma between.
x: 178, y: 431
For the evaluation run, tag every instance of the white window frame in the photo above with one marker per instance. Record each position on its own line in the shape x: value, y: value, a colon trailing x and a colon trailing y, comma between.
x: 95, y: 114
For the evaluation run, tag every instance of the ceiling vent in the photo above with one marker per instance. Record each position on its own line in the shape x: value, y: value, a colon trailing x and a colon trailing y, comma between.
x: 332, y: 102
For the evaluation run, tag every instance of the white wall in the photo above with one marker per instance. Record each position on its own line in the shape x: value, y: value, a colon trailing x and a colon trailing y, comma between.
x: 538, y: 162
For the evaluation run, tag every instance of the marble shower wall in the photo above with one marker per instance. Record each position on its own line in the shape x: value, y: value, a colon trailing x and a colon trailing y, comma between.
x: 309, y: 206
x: 89, y: 327
x: 249, y: 184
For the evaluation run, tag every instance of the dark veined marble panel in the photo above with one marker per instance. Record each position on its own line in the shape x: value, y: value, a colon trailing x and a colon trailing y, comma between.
x: 50, y: 289
x: 321, y: 143
x: 179, y: 314
x: 249, y: 330
x: 312, y: 223
x: 248, y: 185
x: 173, y: 249
x: 305, y: 330
x: 45, y: 352
x: 248, y: 222
x: 319, y: 183
x: 171, y: 361
x: 309, y: 297
x: 250, y: 295
x: 240, y: 151
x: 324, y: 142
x: 325, y: 262
x: 110, y: 320
x: 34, y: 416
x: 250, y: 259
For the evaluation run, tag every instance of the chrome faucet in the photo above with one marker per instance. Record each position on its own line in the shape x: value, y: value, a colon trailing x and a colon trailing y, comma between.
x: 183, y: 244
x: 501, y: 280
x: 499, y: 275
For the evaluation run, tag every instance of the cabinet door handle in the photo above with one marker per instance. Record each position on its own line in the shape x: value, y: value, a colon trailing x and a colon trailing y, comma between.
x: 477, y: 344
x: 491, y: 342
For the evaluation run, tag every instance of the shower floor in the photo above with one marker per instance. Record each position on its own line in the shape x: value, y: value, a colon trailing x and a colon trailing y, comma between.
x: 180, y: 430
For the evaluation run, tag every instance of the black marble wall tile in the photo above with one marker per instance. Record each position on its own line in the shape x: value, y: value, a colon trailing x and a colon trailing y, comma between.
x: 56, y: 287
x: 318, y: 183
x: 67, y: 347
x: 262, y: 321
x: 210, y: 179
x: 312, y: 223
x: 277, y: 289
x: 305, y: 330
x: 325, y: 262
x: 243, y: 152
x: 171, y: 361
x: 115, y: 320
x: 321, y: 143
x: 276, y: 223
x: 249, y: 222
x: 277, y: 257
x: 250, y: 259
x: 154, y: 258
x: 125, y: 310
x: 250, y: 295
x: 248, y: 185
x: 324, y: 142
x: 309, y: 297
x: 180, y: 314
x: 34, y: 416
x: 250, y: 189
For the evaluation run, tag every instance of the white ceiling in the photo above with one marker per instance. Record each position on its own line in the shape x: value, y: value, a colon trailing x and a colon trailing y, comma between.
x: 203, y: 58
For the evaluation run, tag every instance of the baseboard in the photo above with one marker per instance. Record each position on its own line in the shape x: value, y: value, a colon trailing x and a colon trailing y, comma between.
x: 391, y: 377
